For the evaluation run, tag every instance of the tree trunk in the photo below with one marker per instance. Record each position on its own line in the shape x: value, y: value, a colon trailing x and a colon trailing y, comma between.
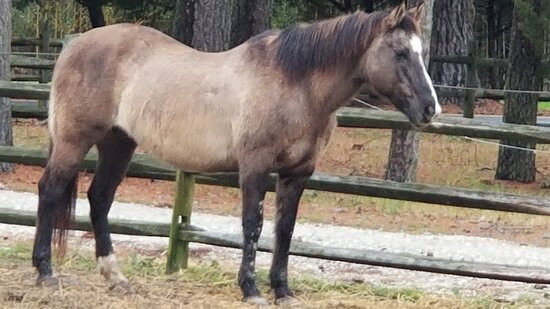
x: 250, y: 17
x: 492, y: 46
x: 182, y: 29
x: 5, y: 106
x: 525, y: 73
x: 96, y: 15
x: 403, y: 156
x: 498, y: 26
x: 212, y: 25
x: 453, y: 30
x: 217, y: 25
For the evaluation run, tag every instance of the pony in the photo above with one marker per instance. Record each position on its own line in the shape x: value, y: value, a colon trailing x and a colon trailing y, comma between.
x: 265, y: 106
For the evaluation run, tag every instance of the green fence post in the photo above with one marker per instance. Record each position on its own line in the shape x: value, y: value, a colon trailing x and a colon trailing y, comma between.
x: 178, y: 250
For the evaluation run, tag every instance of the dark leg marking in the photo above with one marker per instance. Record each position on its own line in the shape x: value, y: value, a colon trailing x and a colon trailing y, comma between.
x: 253, y: 187
x: 115, y: 151
x: 289, y: 191
x: 59, y: 176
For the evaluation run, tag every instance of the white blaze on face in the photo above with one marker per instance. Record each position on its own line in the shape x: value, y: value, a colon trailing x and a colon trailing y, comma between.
x: 416, y: 44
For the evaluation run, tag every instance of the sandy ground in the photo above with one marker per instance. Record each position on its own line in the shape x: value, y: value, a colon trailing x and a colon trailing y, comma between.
x: 465, y: 248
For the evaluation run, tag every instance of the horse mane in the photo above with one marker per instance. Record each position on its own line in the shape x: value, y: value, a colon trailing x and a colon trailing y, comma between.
x: 322, y: 45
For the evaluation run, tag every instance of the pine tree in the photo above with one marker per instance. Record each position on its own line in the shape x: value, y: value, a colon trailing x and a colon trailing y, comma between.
x: 530, y: 34
x: 5, y: 106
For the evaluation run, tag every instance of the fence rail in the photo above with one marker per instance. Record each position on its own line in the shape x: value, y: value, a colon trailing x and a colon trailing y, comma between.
x: 493, y: 94
x: 347, y: 117
x: 306, y: 249
x: 144, y: 166
x: 21, y: 42
x: 26, y: 78
x: 31, y: 62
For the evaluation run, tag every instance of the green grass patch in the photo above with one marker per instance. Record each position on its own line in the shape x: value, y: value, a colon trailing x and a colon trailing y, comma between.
x: 18, y: 251
x: 544, y: 105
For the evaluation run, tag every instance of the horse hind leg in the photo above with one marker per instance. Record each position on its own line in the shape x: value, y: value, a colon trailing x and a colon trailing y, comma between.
x: 57, y: 191
x: 115, y: 151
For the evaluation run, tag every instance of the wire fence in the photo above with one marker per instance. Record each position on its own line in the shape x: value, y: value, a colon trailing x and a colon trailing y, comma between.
x: 477, y: 140
x: 487, y: 89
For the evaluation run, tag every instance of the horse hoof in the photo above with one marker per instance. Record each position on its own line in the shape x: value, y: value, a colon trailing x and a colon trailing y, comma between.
x: 47, y: 281
x: 287, y: 302
x: 257, y: 301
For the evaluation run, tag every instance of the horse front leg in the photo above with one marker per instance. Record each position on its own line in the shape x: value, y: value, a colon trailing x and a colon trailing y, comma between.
x: 289, y: 191
x: 253, y: 187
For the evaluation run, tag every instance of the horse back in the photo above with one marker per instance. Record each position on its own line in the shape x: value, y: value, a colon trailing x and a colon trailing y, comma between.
x: 92, y: 70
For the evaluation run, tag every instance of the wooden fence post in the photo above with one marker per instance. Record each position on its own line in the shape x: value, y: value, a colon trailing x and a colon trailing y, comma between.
x: 178, y: 250
x: 471, y: 81
x: 45, y: 75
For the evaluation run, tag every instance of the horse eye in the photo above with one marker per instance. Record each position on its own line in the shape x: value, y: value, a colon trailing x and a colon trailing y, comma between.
x: 402, y: 54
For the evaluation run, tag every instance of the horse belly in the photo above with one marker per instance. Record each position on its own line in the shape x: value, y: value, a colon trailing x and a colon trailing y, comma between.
x: 193, y: 146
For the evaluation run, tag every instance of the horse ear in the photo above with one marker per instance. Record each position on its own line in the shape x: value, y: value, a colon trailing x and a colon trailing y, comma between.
x: 417, y: 12
x: 395, y: 17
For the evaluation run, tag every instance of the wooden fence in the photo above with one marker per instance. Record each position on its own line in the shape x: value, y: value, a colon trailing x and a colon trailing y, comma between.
x: 44, y: 44
x: 44, y: 64
x: 181, y: 232
x: 473, y: 62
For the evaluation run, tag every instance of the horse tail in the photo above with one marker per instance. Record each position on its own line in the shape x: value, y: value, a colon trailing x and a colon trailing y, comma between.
x: 64, y: 220
x: 64, y: 213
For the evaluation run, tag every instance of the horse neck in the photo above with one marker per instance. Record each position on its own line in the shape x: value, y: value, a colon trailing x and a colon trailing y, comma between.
x: 332, y: 89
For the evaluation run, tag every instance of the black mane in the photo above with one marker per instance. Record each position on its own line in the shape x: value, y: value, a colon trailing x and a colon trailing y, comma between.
x: 301, y: 49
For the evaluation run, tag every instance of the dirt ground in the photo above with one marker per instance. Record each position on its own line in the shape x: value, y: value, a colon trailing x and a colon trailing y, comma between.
x: 199, y: 286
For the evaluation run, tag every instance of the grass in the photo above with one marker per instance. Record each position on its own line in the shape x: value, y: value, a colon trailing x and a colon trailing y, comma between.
x: 544, y: 105
x: 202, y: 285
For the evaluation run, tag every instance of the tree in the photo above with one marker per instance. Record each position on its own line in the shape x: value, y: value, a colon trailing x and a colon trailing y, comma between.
x: 249, y: 17
x: 152, y: 13
x: 5, y: 107
x: 182, y: 28
x: 219, y: 25
x: 403, y: 156
x: 498, y: 19
x: 453, y: 24
x: 349, y: 6
x: 203, y: 24
x: 212, y: 25
x: 95, y: 10
x: 525, y: 72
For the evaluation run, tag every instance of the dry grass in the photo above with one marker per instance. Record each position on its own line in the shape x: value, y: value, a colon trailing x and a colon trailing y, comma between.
x: 448, y: 161
x: 200, y: 286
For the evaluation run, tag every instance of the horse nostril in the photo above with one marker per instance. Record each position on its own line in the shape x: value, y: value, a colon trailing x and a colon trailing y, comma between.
x: 429, y: 111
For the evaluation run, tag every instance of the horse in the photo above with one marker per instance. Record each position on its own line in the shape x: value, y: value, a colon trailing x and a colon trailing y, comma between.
x: 265, y: 106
